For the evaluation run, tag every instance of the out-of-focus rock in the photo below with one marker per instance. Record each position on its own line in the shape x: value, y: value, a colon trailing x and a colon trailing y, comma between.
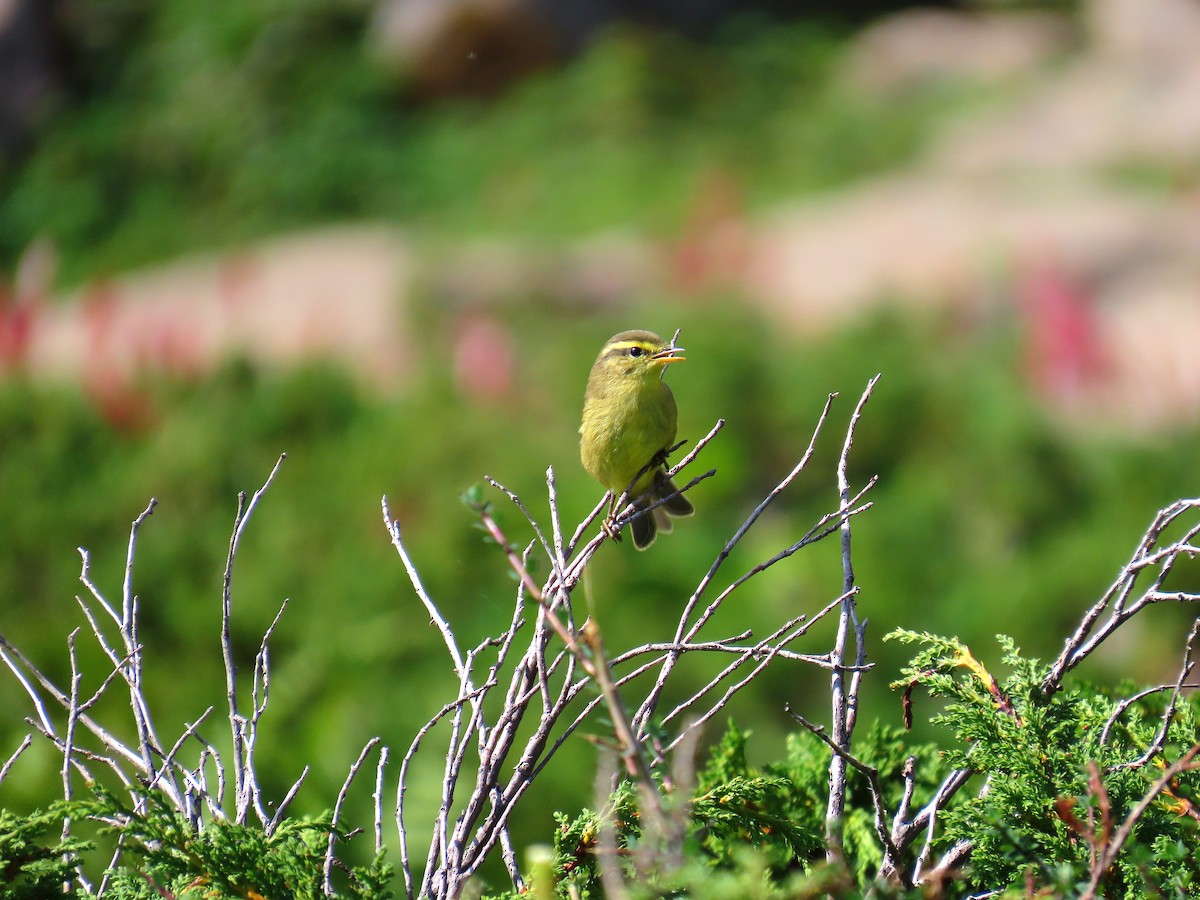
x: 916, y: 46
x: 463, y: 47
x: 1150, y: 324
x: 1092, y: 116
x: 334, y: 294
x: 484, y: 357
x: 1064, y: 125
x: 29, y: 77
x: 927, y: 239
x: 1150, y: 35
x: 480, y: 47
x: 605, y: 270
x: 1130, y: 98
x: 602, y: 270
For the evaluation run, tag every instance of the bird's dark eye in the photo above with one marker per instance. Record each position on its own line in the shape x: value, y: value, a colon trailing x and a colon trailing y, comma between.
x: 635, y: 352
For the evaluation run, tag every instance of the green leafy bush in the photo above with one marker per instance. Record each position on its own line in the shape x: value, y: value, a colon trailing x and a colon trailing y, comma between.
x: 1052, y: 786
x: 1059, y: 775
x: 35, y: 859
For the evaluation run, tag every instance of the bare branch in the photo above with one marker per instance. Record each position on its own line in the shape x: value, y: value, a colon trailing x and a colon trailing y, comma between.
x: 242, y: 786
x: 764, y: 653
x: 18, y: 664
x: 927, y: 820
x: 337, y: 811
x: 642, y: 717
x: 1118, y: 602
x: 7, y: 767
x: 845, y: 698
x: 270, y: 826
x: 1112, y: 850
x: 86, y: 579
x: 435, y: 617
x: 1160, y: 739
x: 378, y: 798
x: 891, y: 854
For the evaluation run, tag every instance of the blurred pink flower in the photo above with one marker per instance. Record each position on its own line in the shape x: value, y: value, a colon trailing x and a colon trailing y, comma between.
x: 483, y: 358
x: 1064, y: 353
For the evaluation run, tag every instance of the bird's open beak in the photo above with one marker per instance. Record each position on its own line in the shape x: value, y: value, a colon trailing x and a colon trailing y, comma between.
x: 668, y: 356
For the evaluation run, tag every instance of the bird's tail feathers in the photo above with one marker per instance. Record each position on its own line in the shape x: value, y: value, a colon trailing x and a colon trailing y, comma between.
x: 646, y: 527
x: 677, y: 505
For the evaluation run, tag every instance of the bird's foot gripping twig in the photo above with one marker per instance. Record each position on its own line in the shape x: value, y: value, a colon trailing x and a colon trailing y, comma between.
x: 610, y: 527
x: 661, y: 457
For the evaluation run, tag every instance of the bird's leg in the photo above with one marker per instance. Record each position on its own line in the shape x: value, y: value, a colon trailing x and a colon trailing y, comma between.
x: 660, y: 458
x: 657, y: 461
x: 609, y: 521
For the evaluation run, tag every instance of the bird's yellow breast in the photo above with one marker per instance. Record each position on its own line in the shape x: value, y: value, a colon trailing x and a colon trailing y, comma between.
x: 626, y: 422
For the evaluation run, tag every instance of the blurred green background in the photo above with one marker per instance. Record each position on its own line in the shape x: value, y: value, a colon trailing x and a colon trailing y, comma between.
x: 191, y: 129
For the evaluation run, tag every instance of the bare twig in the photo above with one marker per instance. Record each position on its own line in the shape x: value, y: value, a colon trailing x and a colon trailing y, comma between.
x: 19, y: 664
x: 337, y: 811
x: 1112, y: 850
x: 591, y: 656
x: 764, y: 654
x: 7, y: 767
x: 891, y: 853
x: 1160, y: 739
x: 260, y: 685
x: 1119, y: 602
x: 927, y: 820
x: 845, y: 697
x: 243, y: 785
x: 682, y: 632
x: 377, y: 797
x: 131, y: 668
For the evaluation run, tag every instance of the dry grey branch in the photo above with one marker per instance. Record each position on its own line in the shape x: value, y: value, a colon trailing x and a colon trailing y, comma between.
x: 146, y: 762
x: 337, y: 810
x: 845, y: 697
x: 7, y: 767
x: 1160, y: 738
x: 683, y: 633
x: 926, y: 820
x: 1122, y: 834
x: 551, y: 665
x: 891, y: 853
x: 1119, y: 603
x: 244, y: 786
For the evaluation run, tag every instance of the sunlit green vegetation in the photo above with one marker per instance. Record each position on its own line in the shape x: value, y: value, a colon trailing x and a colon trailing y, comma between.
x: 195, y: 130
x: 198, y: 130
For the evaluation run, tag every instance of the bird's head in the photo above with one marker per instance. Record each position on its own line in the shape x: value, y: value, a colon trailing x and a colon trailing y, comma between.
x: 637, y: 355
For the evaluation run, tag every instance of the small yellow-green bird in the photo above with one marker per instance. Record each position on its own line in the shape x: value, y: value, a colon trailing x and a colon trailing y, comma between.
x: 629, y: 420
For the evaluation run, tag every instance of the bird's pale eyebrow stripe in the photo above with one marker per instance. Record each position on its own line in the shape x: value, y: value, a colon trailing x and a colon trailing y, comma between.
x: 620, y: 347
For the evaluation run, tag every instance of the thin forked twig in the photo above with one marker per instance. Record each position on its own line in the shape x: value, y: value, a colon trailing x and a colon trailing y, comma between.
x: 337, y: 811
x: 1185, y: 763
x: 1160, y: 738
x: 844, y: 697
x: 891, y: 854
x: 1119, y: 602
x: 682, y: 632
